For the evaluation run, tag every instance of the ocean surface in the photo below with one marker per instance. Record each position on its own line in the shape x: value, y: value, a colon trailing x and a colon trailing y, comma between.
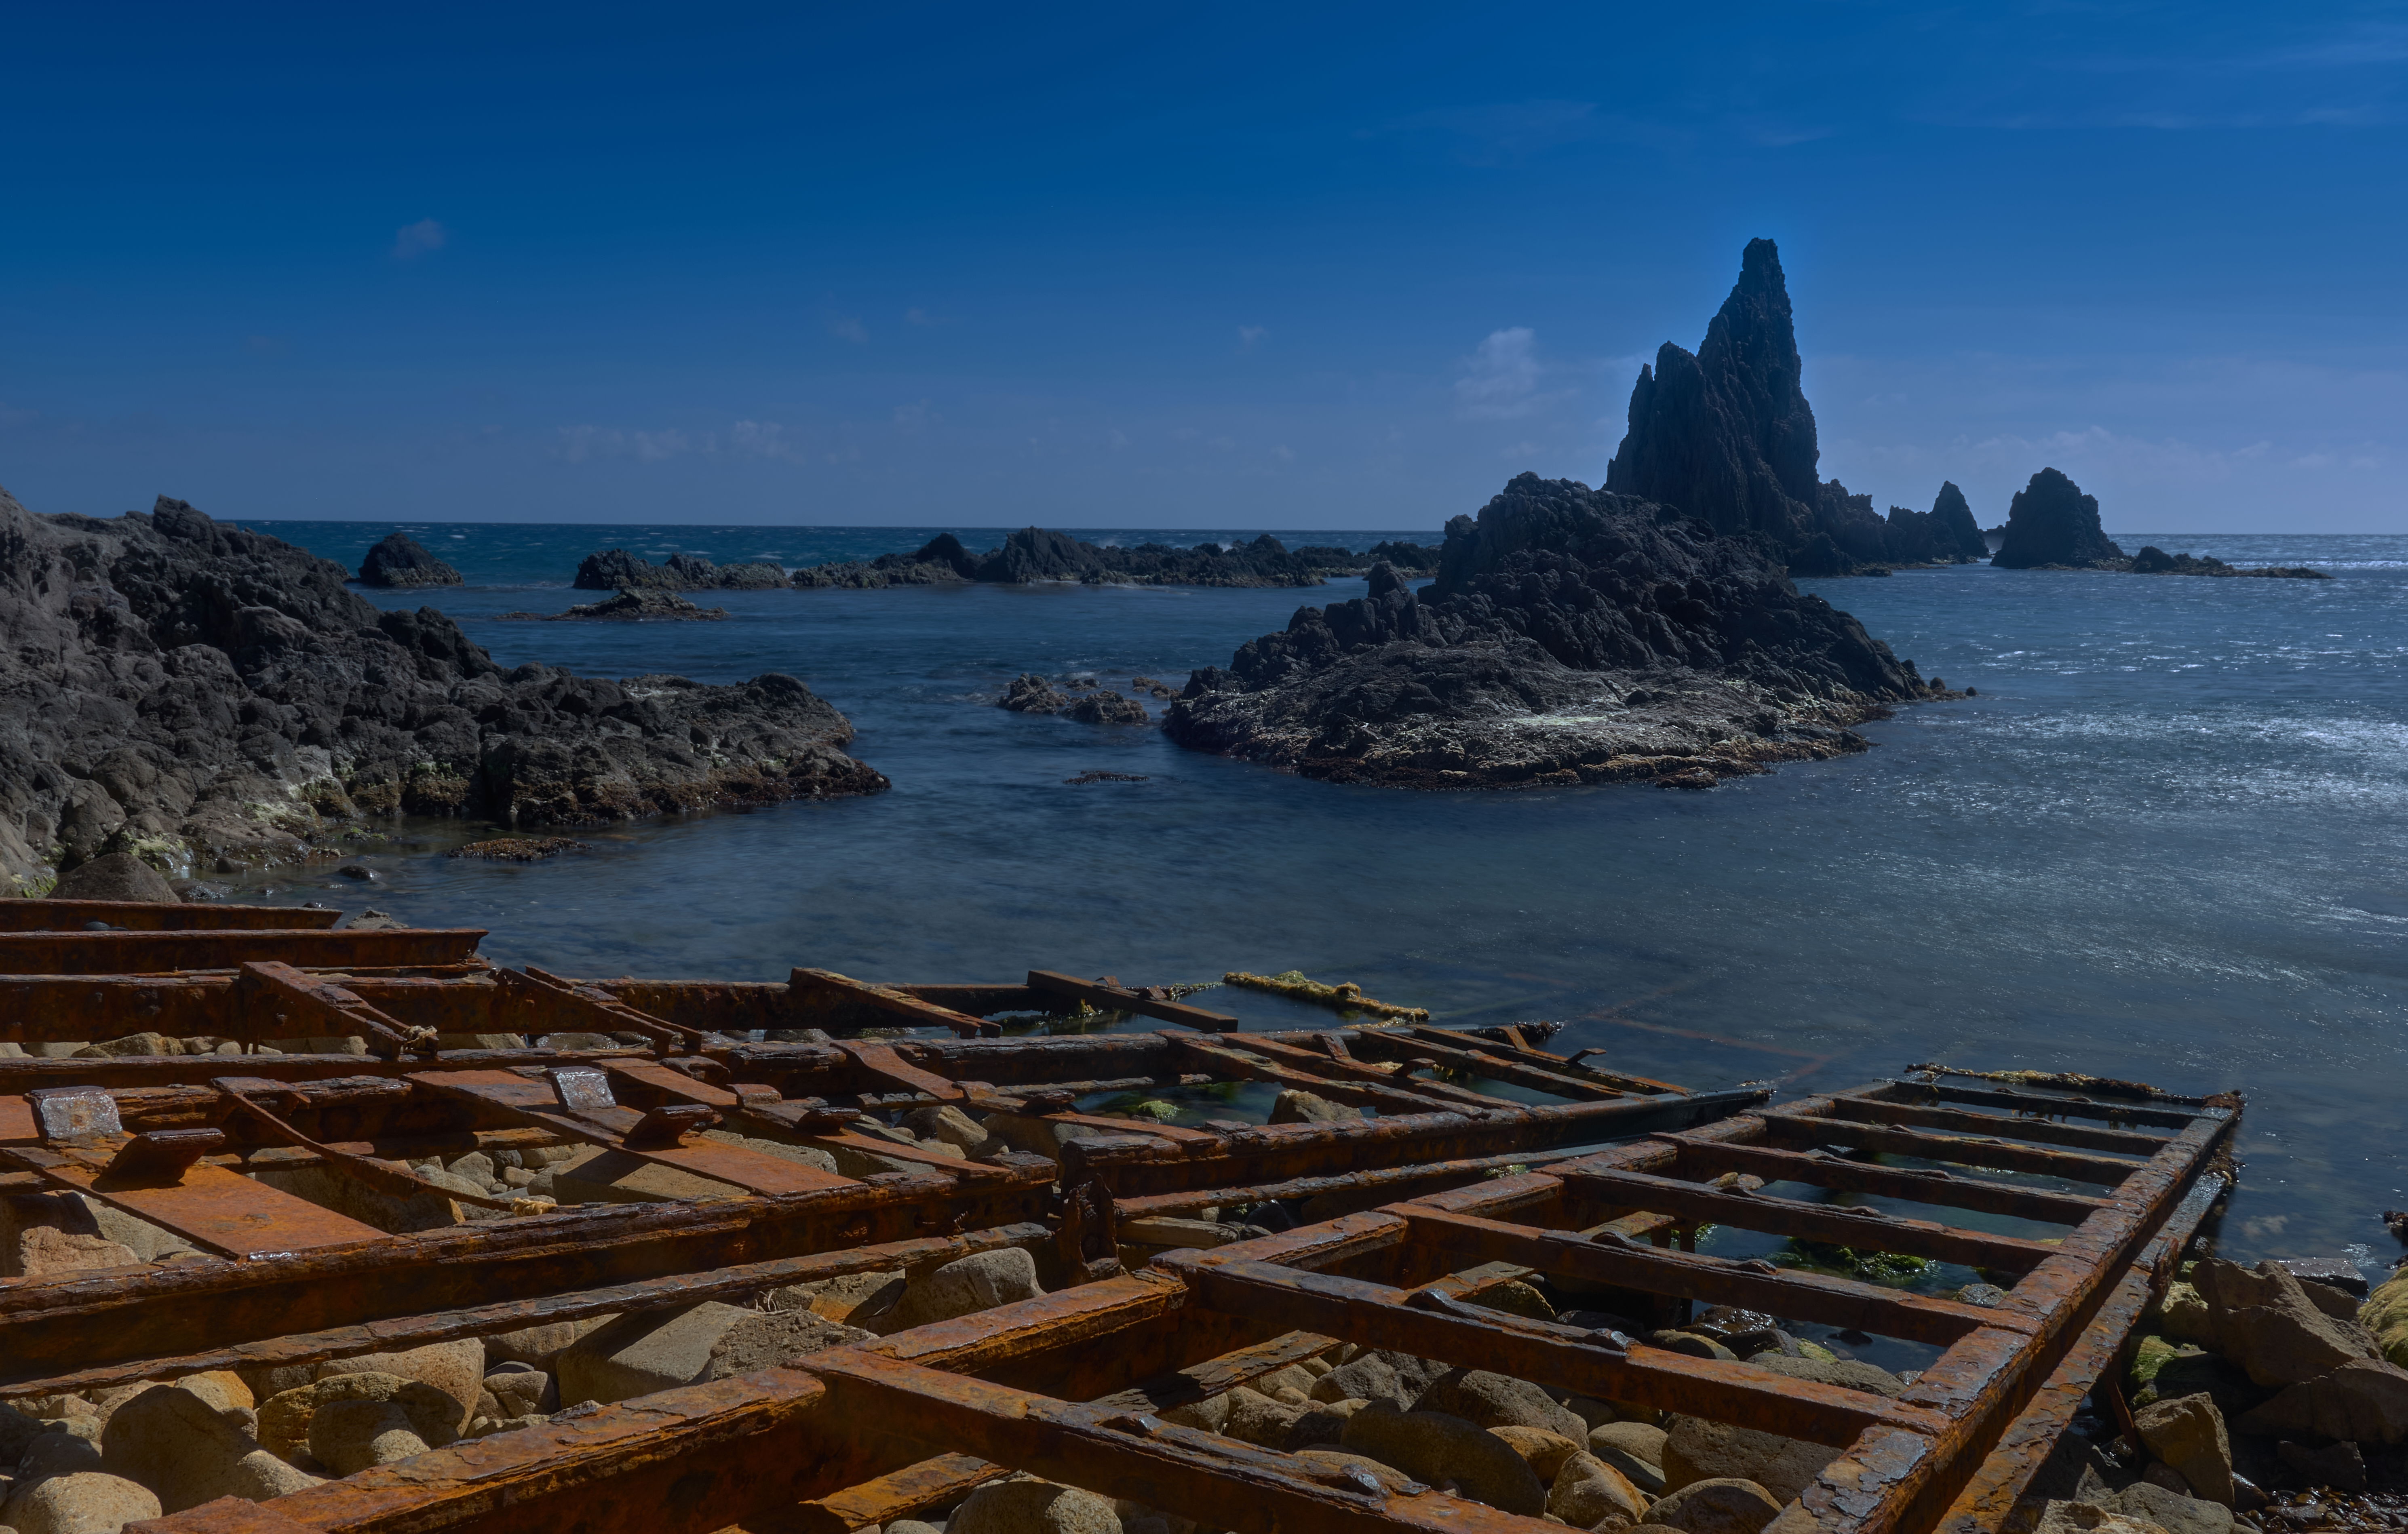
x: 2168, y: 841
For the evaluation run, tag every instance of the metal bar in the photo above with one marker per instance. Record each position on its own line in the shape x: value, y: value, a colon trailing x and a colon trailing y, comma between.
x: 160, y: 916
x: 1858, y: 1226
x: 1569, y: 1064
x: 146, y: 952
x: 1121, y: 998
x: 1870, y: 1110
x: 1931, y: 1187
x: 210, y: 1206
x: 1501, y: 1063
x: 1400, y: 1178
x: 1232, y: 1060
x: 577, y: 1007
x: 310, y: 1004
x: 1752, y: 1286
x: 1808, y: 1129
x: 414, y: 1331
x: 825, y: 987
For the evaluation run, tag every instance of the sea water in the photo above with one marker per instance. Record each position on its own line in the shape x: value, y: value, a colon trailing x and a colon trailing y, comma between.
x: 2165, y: 842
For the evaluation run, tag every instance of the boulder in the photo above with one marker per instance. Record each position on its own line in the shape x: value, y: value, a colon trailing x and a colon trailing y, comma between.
x: 17, y: 1430
x: 114, y: 876
x: 949, y: 1125
x: 1848, y: 1373
x: 400, y: 560
x: 966, y: 1285
x: 58, y: 1453
x: 1254, y: 1417
x: 285, y: 1417
x: 1719, y: 1505
x: 1326, y: 1457
x: 1294, y: 1105
x: 2188, y: 1434
x: 522, y: 1392
x: 1033, y: 1506
x: 1436, y: 1449
x: 1696, y: 1449
x: 856, y: 1299
x: 86, y: 1502
x: 455, y: 1369
x: 2364, y: 1401
x: 1378, y: 1375
x: 1500, y: 1400
x: 1324, y: 1422
x: 189, y: 1452
x: 1543, y: 1451
x: 658, y: 1350
x: 2385, y: 1314
x: 1638, y: 1440
x: 539, y: 1345
x: 2264, y: 1321
x: 2170, y: 1509
x: 2091, y: 1518
x: 1518, y: 1299
x: 1587, y: 1491
x: 2340, y: 1465
x: 350, y: 1436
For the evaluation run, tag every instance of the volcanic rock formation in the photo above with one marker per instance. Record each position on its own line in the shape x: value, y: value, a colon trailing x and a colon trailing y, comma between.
x: 1945, y: 535
x: 628, y: 607
x: 188, y: 690
x: 1034, y: 554
x: 400, y: 560
x: 2051, y: 524
x: 1571, y: 636
x: 616, y: 570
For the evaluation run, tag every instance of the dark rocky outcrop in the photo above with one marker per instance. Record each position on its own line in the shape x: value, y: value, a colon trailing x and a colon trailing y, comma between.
x: 187, y: 690
x: 628, y: 607
x: 1030, y: 694
x: 1571, y: 636
x: 400, y: 560
x: 2153, y: 560
x: 2051, y: 524
x: 616, y: 570
x: 1036, y: 555
x: 1945, y: 535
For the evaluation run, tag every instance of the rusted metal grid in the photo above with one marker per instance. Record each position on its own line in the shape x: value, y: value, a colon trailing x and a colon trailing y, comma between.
x: 325, y: 1249
x: 1069, y: 1386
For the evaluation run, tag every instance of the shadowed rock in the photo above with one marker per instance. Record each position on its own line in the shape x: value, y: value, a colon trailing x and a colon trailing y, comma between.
x: 400, y: 560
x: 186, y: 691
x: 616, y: 570
x: 2052, y: 525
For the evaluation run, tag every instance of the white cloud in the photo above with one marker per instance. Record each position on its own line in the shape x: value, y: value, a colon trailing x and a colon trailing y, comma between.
x: 762, y: 440
x: 1500, y: 381
x: 412, y: 240
x: 1248, y: 335
x: 849, y: 329
x: 920, y: 317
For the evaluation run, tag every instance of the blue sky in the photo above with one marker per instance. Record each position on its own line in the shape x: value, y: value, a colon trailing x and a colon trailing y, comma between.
x: 1311, y: 267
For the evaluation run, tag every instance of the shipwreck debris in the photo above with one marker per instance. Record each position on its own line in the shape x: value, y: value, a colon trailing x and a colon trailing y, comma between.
x: 1345, y: 996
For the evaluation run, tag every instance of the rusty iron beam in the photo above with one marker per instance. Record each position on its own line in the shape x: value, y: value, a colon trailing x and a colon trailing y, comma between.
x: 312, y: 1005
x: 1397, y: 1182
x: 1113, y: 997
x: 1840, y: 1224
x: 1931, y: 1187
x: 1870, y: 1110
x: 149, y: 953
x: 161, y: 916
x: 674, y: 1290
x: 826, y: 988
x: 1963, y: 1150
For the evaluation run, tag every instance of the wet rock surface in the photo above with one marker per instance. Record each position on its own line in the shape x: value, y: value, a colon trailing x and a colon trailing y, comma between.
x: 1036, y: 555
x: 1571, y: 636
x: 188, y: 690
x: 639, y: 605
x: 400, y: 560
x: 616, y: 570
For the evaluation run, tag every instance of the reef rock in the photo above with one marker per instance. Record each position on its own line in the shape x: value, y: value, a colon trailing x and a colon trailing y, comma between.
x: 400, y: 560
x: 1571, y: 636
x: 2153, y: 560
x: 1945, y: 535
x: 2051, y: 524
x: 1726, y: 435
x: 646, y: 606
x: 1039, y: 555
x: 616, y: 570
x: 188, y: 690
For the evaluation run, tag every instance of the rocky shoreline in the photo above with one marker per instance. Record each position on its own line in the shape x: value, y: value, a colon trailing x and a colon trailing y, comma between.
x: 1572, y: 636
x: 2052, y: 525
x: 1041, y: 554
x: 199, y: 695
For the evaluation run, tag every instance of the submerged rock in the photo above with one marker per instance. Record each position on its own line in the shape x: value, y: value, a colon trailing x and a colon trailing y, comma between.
x: 629, y: 607
x: 2052, y: 525
x: 400, y: 560
x: 114, y: 876
x: 1571, y: 636
x: 1036, y: 555
x: 179, y: 689
x: 2153, y: 560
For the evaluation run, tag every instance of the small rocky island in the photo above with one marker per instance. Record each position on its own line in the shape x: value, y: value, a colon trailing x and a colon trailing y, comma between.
x: 616, y: 570
x: 400, y: 560
x: 2052, y: 525
x: 190, y: 692
x: 1039, y: 554
x: 1571, y: 636
x: 628, y: 607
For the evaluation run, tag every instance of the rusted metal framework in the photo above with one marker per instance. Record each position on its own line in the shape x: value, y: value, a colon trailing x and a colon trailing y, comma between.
x: 1072, y: 1385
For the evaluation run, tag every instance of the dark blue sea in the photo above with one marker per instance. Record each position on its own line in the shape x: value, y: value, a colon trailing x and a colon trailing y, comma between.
x: 2168, y: 841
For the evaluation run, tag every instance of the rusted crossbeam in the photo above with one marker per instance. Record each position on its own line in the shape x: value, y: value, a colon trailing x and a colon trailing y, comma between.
x: 147, y: 952
x: 1114, y: 997
x: 161, y: 916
